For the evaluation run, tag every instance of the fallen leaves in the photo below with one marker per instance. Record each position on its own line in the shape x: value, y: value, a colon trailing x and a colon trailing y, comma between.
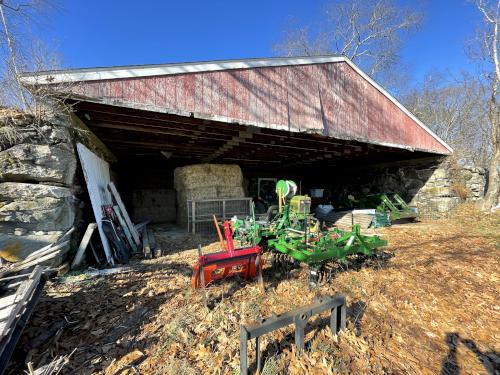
x: 442, y: 282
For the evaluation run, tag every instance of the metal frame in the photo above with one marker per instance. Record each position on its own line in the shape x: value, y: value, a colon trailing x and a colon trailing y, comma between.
x: 197, y: 214
x: 299, y: 317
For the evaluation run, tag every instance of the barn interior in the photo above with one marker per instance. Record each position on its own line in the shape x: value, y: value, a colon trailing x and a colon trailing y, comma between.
x: 149, y: 146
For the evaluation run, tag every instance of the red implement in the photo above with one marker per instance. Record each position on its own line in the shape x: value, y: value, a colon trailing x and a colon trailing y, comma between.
x: 246, y: 262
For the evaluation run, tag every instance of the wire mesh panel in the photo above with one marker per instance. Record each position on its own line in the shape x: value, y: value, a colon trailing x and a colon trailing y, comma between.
x: 200, y: 212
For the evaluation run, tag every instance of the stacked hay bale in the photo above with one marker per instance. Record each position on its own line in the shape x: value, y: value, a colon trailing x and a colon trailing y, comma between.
x: 156, y: 205
x: 206, y: 181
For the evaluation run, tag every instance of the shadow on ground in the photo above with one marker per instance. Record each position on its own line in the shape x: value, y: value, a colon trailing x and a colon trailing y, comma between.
x: 98, y: 316
x: 490, y: 360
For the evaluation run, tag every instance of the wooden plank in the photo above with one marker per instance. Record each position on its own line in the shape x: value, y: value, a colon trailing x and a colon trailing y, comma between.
x: 22, y: 294
x: 83, y: 245
x: 26, y: 264
x: 40, y: 254
x: 119, y: 202
x: 63, y: 269
x: 50, y: 247
x: 139, y: 226
x: 125, y: 228
x: 96, y: 173
x: 153, y: 244
x: 6, y: 305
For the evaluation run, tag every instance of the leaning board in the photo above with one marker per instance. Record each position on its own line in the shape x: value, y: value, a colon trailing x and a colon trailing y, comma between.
x: 97, y: 178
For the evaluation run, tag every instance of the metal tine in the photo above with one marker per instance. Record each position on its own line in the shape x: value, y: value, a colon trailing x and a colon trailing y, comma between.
x: 202, y: 279
x: 259, y: 272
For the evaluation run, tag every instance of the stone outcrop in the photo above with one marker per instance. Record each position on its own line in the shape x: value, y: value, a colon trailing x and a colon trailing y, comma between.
x: 448, y: 185
x: 36, y: 207
x: 37, y: 182
x: 38, y: 163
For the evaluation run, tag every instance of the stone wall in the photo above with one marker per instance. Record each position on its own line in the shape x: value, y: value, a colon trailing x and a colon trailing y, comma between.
x: 434, y: 185
x: 448, y: 185
x: 37, y: 181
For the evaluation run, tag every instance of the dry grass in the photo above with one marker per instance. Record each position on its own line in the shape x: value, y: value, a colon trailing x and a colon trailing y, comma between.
x: 9, y: 131
x: 433, y: 308
x: 461, y: 190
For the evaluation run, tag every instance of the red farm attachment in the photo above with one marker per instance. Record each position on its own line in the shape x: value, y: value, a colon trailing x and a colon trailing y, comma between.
x: 246, y: 262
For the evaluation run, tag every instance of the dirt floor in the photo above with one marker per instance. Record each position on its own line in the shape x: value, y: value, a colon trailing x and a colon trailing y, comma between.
x: 433, y: 308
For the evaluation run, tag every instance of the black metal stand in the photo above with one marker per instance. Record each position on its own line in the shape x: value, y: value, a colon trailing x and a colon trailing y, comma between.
x: 299, y: 318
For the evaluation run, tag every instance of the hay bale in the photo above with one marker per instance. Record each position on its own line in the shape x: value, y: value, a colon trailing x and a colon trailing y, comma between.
x: 206, y: 181
x: 207, y: 192
x: 200, y: 175
x: 157, y: 205
x: 191, y: 194
x: 230, y: 192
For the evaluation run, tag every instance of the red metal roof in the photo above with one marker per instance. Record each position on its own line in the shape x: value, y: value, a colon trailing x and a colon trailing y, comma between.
x: 332, y: 98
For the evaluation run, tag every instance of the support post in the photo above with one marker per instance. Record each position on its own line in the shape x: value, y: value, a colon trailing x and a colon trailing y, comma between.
x: 300, y: 326
x: 193, y: 216
x: 243, y: 351
x: 299, y: 317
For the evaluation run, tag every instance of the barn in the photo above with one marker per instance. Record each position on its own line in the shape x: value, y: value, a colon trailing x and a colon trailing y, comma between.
x: 320, y: 121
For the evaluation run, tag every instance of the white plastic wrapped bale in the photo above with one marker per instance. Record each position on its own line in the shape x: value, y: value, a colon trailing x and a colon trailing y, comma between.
x: 206, y: 181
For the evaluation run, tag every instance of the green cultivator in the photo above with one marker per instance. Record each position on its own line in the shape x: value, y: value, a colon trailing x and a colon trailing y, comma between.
x: 294, y: 236
x: 396, y: 207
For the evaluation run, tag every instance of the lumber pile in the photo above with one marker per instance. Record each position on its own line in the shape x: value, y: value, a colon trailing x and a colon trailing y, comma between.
x: 18, y: 297
x: 345, y: 219
x: 44, y: 256
x: 206, y: 181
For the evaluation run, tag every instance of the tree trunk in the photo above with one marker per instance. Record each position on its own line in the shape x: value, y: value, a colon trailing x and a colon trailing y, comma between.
x: 493, y: 192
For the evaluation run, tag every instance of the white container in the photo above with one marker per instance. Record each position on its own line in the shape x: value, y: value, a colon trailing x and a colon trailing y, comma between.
x: 316, y: 193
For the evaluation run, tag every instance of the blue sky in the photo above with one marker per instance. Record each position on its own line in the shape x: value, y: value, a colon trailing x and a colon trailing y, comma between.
x: 102, y: 33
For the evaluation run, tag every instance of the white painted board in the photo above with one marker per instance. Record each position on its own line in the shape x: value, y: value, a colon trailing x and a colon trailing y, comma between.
x: 97, y: 178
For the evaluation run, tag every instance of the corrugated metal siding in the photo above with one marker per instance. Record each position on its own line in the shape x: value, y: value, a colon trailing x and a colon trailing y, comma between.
x: 330, y: 99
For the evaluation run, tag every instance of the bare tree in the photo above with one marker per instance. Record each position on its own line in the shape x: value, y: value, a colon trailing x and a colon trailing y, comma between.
x: 21, y: 51
x: 488, y: 55
x: 454, y: 108
x: 369, y: 32
x: 25, y: 52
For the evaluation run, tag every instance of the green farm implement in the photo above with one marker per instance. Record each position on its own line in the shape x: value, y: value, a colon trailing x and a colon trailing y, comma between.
x: 294, y: 236
x: 396, y: 207
x: 323, y: 251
